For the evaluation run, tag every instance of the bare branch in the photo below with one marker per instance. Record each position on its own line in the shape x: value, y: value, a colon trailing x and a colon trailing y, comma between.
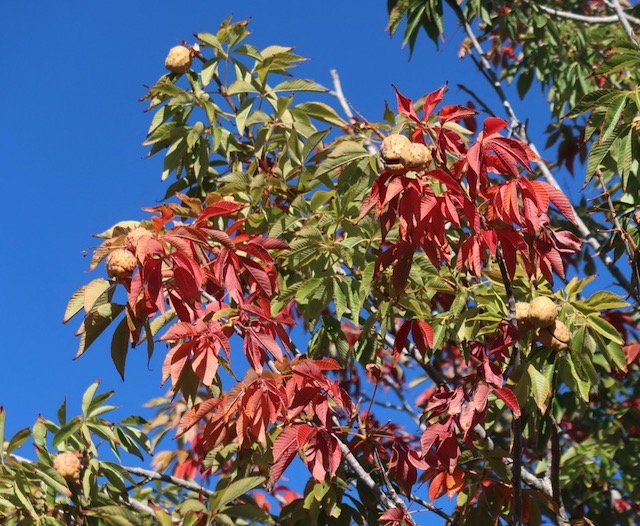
x: 138, y: 506
x: 346, y: 107
x: 431, y: 507
x: 155, y: 475
x: 364, y: 477
x: 553, y: 468
x: 584, y: 18
x: 624, y: 21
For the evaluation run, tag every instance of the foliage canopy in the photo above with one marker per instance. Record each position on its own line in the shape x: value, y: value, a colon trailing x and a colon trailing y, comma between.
x: 408, y: 306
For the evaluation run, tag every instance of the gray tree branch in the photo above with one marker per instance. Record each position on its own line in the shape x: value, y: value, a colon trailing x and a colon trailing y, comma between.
x: 584, y: 18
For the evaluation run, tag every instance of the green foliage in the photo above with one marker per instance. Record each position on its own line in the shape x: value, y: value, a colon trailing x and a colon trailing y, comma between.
x: 406, y: 280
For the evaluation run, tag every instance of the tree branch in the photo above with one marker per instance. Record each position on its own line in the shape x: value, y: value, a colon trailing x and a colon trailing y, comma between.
x: 155, y: 475
x: 138, y: 506
x: 346, y: 107
x: 517, y: 424
x: 624, y: 21
x: 554, y: 473
x: 584, y: 18
x: 520, y: 132
x: 629, y: 245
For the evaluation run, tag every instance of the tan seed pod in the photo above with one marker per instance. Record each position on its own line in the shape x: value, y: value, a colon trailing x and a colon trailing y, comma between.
x: 121, y: 263
x: 134, y: 236
x: 68, y: 466
x: 555, y: 337
x: 178, y: 60
x: 416, y: 155
x: 522, y: 315
x: 542, y: 312
x: 391, y: 151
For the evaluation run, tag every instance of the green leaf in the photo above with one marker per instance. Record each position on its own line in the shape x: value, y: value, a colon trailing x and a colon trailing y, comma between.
x: 599, y: 151
x: 88, y: 395
x: 39, y: 433
x: 21, y: 493
x: 209, y: 40
x: 308, y: 288
x: 340, y: 298
x: 18, y: 439
x: 237, y: 489
x: 62, y: 413
x: 118, y: 514
x: 66, y: 431
x: 95, y: 324
x: 602, y: 326
x: 591, y: 100
x: 524, y: 82
x: 583, y: 347
x: 540, y: 388
x: 612, y: 117
x: 75, y: 304
x: 241, y: 86
x: 344, y: 153
x: 120, y: 346
x: 322, y: 112
x: 582, y: 385
x: 605, y: 300
x: 300, y: 85
x: 51, y: 478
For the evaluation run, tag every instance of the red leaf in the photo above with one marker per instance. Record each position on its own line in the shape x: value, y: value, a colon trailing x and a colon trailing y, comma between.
x: 285, y: 449
x: 510, y: 400
x: 632, y: 352
x: 493, y: 125
x: 438, y: 486
x: 405, y: 106
x: 557, y: 197
x: 432, y: 100
x: 455, y: 481
x: 260, y: 277
x: 268, y: 342
x: 195, y: 413
x: 221, y: 208
x: 455, y: 113
x: 422, y: 334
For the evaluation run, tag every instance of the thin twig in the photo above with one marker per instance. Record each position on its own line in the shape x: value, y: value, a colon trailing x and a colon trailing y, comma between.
x: 390, y: 489
x: 431, y: 507
x: 583, y: 18
x: 346, y: 107
x: 364, y: 477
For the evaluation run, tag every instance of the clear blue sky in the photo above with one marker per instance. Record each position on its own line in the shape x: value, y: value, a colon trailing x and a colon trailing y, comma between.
x: 73, y: 163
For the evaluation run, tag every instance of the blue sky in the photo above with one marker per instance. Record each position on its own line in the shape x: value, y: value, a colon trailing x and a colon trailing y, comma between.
x: 73, y: 162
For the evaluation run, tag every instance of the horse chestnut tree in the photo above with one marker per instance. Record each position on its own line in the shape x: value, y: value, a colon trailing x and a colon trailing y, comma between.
x: 383, y: 309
